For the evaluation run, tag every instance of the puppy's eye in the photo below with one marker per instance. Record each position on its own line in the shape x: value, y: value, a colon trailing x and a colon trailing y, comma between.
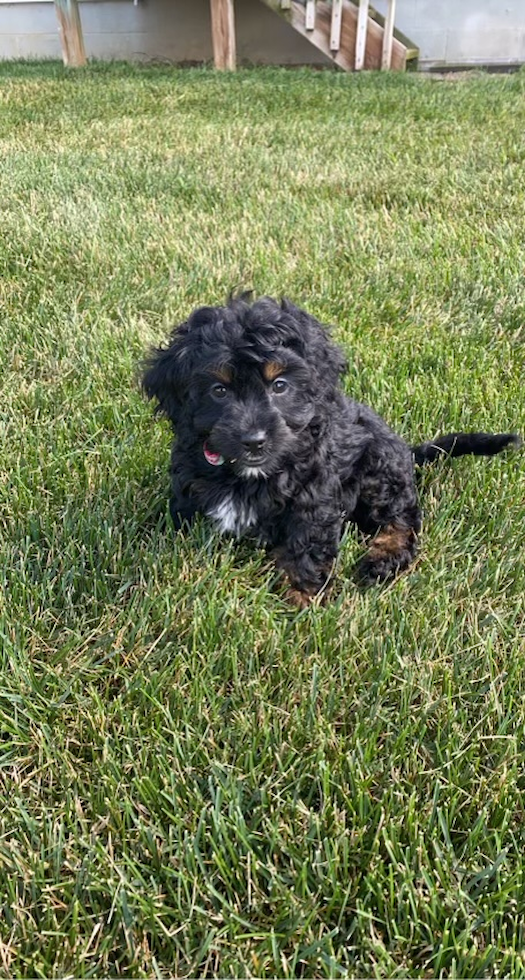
x: 279, y: 386
x: 219, y: 391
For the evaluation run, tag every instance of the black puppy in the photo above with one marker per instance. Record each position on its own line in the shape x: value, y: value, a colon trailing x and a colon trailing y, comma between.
x: 267, y: 444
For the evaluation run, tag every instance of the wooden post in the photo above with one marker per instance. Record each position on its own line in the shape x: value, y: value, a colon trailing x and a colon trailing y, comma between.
x: 388, y: 36
x: 223, y: 34
x: 360, y: 41
x: 70, y: 30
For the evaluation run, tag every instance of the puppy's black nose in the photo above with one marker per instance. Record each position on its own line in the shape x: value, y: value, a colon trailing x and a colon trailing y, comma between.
x: 254, y: 441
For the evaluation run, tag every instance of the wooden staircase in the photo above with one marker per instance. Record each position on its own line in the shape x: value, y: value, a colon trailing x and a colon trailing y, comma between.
x: 352, y: 35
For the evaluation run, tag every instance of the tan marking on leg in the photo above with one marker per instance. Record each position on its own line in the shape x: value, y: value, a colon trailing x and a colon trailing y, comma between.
x: 301, y: 600
x: 390, y: 541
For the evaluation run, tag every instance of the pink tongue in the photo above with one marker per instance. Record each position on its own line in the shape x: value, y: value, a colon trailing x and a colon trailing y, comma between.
x: 214, y: 458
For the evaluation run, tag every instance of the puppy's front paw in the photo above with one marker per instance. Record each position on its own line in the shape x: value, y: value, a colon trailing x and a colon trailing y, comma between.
x: 182, y: 516
x: 372, y: 569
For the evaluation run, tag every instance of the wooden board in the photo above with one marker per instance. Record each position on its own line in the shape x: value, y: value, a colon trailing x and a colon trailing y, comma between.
x: 335, y: 33
x: 309, y: 16
x: 362, y: 28
x: 388, y: 36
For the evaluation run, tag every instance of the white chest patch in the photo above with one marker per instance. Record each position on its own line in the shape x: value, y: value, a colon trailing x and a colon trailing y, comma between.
x: 232, y: 517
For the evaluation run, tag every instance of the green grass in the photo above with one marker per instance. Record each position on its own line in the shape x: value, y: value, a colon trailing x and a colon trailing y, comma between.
x: 195, y: 779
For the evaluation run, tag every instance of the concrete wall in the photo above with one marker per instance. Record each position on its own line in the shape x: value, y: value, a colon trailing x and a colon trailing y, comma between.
x: 448, y: 32
x: 173, y: 30
x: 463, y: 32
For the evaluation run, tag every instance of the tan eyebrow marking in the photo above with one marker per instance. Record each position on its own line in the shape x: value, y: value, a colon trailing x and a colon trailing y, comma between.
x: 272, y: 370
x: 223, y: 374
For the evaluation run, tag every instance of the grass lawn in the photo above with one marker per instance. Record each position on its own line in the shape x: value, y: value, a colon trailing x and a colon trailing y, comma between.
x: 197, y: 780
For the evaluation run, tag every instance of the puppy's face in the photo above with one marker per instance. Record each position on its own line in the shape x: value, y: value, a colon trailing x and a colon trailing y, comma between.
x: 251, y: 412
x: 245, y: 382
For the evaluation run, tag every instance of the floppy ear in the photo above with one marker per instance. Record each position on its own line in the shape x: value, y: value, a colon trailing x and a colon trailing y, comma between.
x: 332, y: 363
x: 324, y: 357
x: 167, y: 373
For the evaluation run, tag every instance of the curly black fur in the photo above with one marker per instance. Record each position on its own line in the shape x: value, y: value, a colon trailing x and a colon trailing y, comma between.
x: 267, y: 444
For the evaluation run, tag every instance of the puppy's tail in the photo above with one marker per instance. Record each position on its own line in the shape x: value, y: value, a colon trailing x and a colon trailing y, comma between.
x: 464, y: 444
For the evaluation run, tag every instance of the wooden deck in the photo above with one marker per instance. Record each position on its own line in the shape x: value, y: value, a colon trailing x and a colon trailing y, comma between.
x: 352, y: 35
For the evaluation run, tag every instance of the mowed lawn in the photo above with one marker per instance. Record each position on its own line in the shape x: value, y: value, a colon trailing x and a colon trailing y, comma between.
x: 196, y: 779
